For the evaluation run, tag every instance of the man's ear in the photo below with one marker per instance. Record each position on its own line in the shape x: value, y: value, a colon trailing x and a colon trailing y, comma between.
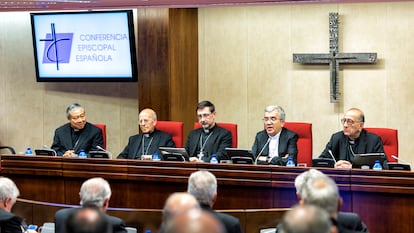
x: 298, y: 196
x: 340, y: 202
x: 214, y: 199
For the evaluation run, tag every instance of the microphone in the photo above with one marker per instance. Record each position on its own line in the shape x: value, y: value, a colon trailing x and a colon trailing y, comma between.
x: 332, y: 156
x: 261, y: 151
x: 398, y: 159
x: 47, y: 148
x: 102, y: 149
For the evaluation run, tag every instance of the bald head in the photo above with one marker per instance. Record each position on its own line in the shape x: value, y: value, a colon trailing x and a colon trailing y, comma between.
x: 178, y: 203
x: 87, y: 220
x: 147, y: 120
x: 306, y: 219
x: 194, y: 221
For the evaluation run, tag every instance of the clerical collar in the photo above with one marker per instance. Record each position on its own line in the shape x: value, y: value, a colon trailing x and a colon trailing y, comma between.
x: 207, y: 131
x: 147, y: 135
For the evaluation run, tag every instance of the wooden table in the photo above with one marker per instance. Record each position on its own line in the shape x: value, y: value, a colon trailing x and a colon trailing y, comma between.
x: 383, y: 199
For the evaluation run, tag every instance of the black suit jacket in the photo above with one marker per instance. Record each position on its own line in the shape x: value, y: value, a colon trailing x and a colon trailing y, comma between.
x: 350, y: 222
x: 217, y: 143
x: 231, y: 223
x: 340, y: 146
x: 287, y: 145
x: 10, y: 223
x: 134, y: 148
x: 89, y: 138
x: 118, y: 225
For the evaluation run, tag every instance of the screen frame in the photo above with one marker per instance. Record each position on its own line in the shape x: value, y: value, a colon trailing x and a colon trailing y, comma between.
x: 75, y: 78
x: 368, y: 159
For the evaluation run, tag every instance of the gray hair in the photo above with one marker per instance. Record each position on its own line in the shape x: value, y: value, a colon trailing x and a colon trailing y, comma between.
x: 322, y: 192
x: 94, y: 192
x: 271, y: 108
x: 8, y: 189
x: 71, y: 107
x: 305, y: 177
x: 203, y: 186
x: 306, y: 219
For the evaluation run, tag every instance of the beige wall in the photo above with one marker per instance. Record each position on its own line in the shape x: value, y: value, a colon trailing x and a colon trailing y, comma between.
x: 30, y: 111
x: 245, y: 63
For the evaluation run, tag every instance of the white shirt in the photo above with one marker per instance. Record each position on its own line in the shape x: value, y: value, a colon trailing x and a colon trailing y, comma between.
x: 274, y: 145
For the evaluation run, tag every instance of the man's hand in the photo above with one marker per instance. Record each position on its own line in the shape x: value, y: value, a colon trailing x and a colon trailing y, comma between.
x: 343, y: 164
x: 69, y: 153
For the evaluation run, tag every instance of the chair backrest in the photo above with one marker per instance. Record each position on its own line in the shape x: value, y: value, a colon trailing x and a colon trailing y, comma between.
x: 229, y: 126
x: 305, y: 146
x: 389, y: 138
x: 103, y: 128
x: 11, y: 149
x: 175, y: 128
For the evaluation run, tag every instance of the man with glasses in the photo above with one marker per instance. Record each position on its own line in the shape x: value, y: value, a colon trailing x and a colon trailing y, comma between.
x: 275, y: 144
x: 77, y: 134
x: 210, y: 139
x: 353, y: 139
x: 145, y: 144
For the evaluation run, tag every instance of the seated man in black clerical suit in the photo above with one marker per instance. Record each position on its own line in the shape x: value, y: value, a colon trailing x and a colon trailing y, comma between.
x: 203, y: 186
x: 275, y: 144
x: 96, y: 193
x: 210, y: 139
x: 76, y: 135
x: 352, y: 139
x: 149, y: 140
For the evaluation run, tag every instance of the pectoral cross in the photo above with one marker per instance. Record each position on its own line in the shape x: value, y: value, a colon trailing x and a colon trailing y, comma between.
x: 334, y: 58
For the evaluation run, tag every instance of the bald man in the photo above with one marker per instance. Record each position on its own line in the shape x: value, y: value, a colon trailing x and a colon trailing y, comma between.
x: 149, y: 140
x: 305, y: 219
x: 194, y: 221
x: 177, y: 203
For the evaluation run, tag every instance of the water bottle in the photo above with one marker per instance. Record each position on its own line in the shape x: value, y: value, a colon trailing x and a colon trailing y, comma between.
x: 82, y: 154
x: 28, y: 151
x: 290, y: 162
x: 155, y: 157
x: 148, y: 231
x: 213, y: 158
x: 377, y: 165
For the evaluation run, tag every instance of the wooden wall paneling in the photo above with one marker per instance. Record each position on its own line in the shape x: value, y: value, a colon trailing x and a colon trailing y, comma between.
x: 168, y: 63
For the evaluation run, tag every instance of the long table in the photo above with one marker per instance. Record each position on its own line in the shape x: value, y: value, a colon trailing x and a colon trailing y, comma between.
x: 383, y: 199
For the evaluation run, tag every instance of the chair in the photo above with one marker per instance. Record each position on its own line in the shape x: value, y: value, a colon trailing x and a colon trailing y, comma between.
x: 304, y: 131
x: 229, y: 126
x: 103, y: 128
x: 11, y: 149
x: 389, y: 138
x: 175, y: 128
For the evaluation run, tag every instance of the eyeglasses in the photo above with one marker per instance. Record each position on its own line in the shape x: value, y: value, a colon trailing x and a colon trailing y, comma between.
x: 204, y: 115
x: 348, y: 121
x: 271, y: 119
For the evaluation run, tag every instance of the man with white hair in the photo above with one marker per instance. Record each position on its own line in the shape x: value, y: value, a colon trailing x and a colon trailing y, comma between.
x: 96, y: 193
x: 203, y: 186
x: 8, y: 195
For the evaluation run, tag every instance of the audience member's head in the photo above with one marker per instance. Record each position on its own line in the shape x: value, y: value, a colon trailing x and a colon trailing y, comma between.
x: 203, y: 186
x: 95, y: 192
x: 303, y: 178
x: 194, y: 221
x: 178, y: 203
x: 87, y: 220
x: 323, y: 192
x: 305, y: 219
x: 8, y: 194
x: 147, y: 120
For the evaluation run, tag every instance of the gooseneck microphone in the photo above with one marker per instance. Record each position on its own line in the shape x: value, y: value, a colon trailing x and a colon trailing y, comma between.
x: 102, y: 149
x: 332, y: 156
x: 398, y: 159
x: 261, y: 151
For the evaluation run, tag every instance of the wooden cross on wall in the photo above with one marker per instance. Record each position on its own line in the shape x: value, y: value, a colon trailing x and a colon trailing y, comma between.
x: 334, y: 58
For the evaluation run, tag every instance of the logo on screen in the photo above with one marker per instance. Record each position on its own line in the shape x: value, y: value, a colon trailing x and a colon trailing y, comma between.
x: 57, y: 47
